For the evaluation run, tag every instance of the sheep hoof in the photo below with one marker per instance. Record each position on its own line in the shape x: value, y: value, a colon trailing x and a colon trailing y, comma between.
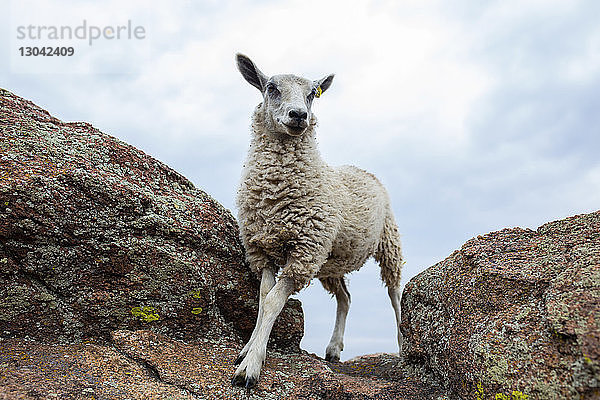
x: 239, y: 360
x: 332, y: 358
x: 250, y: 383
x: 238, y: 380
x: 242, y: 380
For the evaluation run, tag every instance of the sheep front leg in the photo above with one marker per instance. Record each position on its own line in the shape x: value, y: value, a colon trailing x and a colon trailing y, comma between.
x: 249, y: 369
x: 266, y: 284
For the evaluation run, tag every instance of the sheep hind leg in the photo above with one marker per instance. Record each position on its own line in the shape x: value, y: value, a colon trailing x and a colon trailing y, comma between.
x: 248, y: 371
x: 266, y: 284
x: 395, y: 296
x: 337, y: 287
x: 389, y: 257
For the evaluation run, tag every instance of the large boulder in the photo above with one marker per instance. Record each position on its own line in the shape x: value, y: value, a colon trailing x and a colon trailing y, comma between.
x: 97, y: 236
x: 512, y: 311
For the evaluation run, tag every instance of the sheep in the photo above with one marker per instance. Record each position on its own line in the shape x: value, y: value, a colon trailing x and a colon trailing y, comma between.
x: 300, y: 218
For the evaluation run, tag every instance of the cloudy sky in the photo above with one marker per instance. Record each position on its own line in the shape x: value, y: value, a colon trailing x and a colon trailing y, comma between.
x: 475, y: 115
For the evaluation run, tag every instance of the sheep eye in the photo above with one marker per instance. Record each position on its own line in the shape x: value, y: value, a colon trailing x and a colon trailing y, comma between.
x: 272, y: 90
x: 311, y: 95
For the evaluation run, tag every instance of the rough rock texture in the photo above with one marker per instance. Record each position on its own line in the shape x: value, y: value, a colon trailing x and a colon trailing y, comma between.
x: 95, y: 236
x: 145, y: 365
x: 514, y: 310
x: 120, y: 280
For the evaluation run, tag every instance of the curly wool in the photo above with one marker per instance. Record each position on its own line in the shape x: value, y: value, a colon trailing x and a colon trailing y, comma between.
x: 309, y: 219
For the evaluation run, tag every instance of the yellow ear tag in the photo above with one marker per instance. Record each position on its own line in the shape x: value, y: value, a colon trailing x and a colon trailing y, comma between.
x: 319, y: 92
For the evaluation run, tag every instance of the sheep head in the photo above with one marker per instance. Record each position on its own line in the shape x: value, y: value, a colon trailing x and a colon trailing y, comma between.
x: 287, y: 99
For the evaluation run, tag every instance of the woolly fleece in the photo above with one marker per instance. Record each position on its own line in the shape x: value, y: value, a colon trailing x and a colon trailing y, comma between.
x: 311, y: 220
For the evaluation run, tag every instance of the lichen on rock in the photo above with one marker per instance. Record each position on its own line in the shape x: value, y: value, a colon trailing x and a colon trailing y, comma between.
x: 91, y: 228
x: 512, y: 311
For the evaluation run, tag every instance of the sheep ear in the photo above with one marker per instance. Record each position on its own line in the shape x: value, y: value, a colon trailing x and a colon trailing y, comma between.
x: 250, y: 72
x: 323, y: 84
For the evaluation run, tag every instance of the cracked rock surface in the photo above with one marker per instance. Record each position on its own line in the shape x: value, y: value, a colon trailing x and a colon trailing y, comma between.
x: 145, y: 365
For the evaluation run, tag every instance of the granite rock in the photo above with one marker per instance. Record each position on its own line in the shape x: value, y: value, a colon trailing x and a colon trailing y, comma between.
x: 512, y: 311
x: 96, y: 236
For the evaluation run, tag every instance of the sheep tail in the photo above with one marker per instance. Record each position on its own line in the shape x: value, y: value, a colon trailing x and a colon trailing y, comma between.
x: 389, y: 253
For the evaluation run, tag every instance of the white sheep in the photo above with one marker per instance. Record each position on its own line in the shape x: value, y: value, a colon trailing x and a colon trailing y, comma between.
x: 302, y: 218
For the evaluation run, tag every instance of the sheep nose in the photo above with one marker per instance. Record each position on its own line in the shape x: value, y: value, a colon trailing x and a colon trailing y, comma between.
x: 298, y: 114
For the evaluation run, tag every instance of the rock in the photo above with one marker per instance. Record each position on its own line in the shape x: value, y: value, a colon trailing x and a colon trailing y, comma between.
x: 34, y: 370
x: 512, y: 311
x: 146, y: 365
x: 97, y: 236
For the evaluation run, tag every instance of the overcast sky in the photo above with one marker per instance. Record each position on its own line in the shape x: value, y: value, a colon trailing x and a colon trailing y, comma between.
x: 475, y: 115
